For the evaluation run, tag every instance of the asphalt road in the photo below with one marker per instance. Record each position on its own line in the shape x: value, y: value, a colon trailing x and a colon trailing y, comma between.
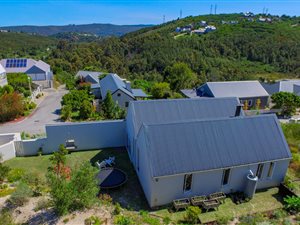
x: 46, y: 113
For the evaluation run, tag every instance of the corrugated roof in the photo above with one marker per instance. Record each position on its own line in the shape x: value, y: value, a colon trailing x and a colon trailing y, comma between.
x: 112, y: 83
x: 194, y: 146
x: 176, y: 110
x: 30, y: 63
x: 282, y: 85
x: 240, y: 89
x: 93, y: 74
x: 139, y: 93
x: 190, y: 93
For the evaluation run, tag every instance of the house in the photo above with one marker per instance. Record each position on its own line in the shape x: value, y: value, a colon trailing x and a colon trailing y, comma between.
x: 91, y: 77
x: 249, y: 91
x: 39, y: 71
x: 248, y: 14
x: 292, y: 86
x: 200, y: 157
x: 203, y: 23
x: 120, y: 89
x: 187, y: 147
x: 3, y: 80
x: 199, y: 31
x: 174, y: 110
x: 210, y: 29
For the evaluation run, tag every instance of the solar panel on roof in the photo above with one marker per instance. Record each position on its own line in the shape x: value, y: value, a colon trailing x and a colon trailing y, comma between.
x: 18, y: 63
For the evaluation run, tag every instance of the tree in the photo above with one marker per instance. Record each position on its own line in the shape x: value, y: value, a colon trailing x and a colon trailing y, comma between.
x: 86, y: 110
x: 66, y: 112
x: 20, y: 83
x: 287, y: 102
x: 180, y: 76
x: 161, y: 90
x: 11, y: 106
x: 6, y: 89
x: 58, y: 158
x: 108, y: 106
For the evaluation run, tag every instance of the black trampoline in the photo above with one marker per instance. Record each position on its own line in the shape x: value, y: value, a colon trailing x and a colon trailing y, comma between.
x: 111, y: 178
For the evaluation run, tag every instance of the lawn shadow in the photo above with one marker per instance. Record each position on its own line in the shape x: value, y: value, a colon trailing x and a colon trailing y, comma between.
x: 130, y: 195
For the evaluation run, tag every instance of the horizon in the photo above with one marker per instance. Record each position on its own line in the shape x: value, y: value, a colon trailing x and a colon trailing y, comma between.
x: 128, y: 12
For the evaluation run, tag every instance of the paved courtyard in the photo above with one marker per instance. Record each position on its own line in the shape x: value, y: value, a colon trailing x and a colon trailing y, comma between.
x: 47, y: 112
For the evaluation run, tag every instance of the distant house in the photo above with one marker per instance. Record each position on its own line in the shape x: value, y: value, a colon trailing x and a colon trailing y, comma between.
x: 178, y: 29
x: 210, y: 29
x: 292, y: 86
x: 199, y: 31
x: 91, y: 77
x: 203, y: 23
x: 3, y: 80
x: 120, y: 89
x: 249, y: 91
x: 190, y: 147
x: 248, y: 14
x: 39, y: 71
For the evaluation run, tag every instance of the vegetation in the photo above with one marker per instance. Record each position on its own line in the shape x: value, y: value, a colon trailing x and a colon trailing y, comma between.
x: 20, y: 83
x: 287, y: 102
x: 4, y: 170
x: 110, y: 109
x: 11, y: 106
x: 192, y: 214
x: 21, y: 195
x: 292, y: 203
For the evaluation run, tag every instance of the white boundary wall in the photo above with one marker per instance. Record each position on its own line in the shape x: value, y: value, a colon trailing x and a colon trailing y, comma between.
x: 7, y: 150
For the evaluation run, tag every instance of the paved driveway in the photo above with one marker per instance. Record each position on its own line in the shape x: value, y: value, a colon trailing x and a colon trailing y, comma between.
x: 46, y: 113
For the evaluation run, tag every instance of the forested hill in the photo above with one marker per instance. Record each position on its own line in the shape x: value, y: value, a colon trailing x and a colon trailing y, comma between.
x: 25, y: 45
x: 240, y: 51
x: 96, y: 29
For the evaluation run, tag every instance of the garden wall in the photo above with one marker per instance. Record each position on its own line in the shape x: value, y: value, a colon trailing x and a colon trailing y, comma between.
x: 7, y: 145
x: 87, y: 135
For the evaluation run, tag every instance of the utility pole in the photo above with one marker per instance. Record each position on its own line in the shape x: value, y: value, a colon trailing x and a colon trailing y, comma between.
x: 180, y: 15
x: 211, y: 9
x: 29, y: 86
x: 164, y: 18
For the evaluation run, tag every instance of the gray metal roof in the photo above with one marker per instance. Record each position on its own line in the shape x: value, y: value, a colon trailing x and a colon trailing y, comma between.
x: 193, y: 146
x: 92, y: 74
x: 139, y: 93
x: 190, y: 93
x: 4, y: 139
x: 30, y: 63
x: 282, y: 85
x: 112, y: 83
x: 176, y: 110
x: 240, y: 89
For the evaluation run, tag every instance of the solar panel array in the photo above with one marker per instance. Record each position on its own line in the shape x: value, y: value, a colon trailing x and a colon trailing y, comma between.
x: 16, y: 63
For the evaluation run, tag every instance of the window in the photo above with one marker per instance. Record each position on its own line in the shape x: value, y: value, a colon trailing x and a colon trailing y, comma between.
x: 259, y: 171
x: 249, y: 102
x: 271, y: 168
x: 126, y: 104
x: 225, y: 178
x: 138, y: 159
x: 119, y: 94
x: 187, y: 182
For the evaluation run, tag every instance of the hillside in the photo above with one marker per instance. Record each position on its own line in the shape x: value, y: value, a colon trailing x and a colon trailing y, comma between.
x: 25, y: 45
x: 247, y: 50
x: 97, y: 29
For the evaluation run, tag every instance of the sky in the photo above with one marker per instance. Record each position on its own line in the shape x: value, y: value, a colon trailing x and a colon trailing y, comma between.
x: 63, y: 12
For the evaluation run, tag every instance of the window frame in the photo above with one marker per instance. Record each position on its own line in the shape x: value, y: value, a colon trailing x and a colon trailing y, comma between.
x: 187, y: 177
x: 260, y: 170
x: 224, y: 176
x: 271, y: 170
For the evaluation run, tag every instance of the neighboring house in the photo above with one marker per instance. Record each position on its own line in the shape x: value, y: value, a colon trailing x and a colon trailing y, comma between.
x: 174, y: 110
x: 39, y: 71
x: 3, y: 80
x: 249, y: 91
x: 200, y: 157
x: 292, y: 86
x: 120, y: 89
x: 91, y: 77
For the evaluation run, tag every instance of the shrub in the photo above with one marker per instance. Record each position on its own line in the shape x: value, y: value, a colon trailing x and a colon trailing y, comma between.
x: 118, y: 209
x: 192, y: 214
x: 252, y: 219
x: 223, y: 219
x: 66, y: 220
x: 42, y: 204
x: 15, y: 175
x: 292, y: 203
x: 4, y: 170
x: 11, y: 106
x: 5, y: 192
x: 93, y: 220
x: 106, y: 198
x: 122, y: 220
x: 279, y: 214
x: 166, y: 220
x: 21, y: 195
x: 6, y: 217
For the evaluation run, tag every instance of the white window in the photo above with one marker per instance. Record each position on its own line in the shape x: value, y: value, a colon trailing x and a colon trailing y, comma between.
x: 225, y: 178
x: 259, y: 170
x: 187, y: 186
x: 271, y: 169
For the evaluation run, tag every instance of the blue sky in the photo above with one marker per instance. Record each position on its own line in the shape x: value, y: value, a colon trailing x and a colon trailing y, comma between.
x: 61, y: 12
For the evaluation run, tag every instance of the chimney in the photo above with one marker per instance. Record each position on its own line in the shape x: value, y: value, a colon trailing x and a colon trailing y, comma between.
x: 238, y: 110
x: 128, y: 85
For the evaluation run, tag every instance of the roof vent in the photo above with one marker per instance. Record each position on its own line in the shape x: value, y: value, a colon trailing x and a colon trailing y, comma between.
x: 238, y: 110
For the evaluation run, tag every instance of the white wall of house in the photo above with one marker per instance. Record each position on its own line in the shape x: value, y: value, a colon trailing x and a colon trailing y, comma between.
x: 7, y: 151
x: 122, y: 98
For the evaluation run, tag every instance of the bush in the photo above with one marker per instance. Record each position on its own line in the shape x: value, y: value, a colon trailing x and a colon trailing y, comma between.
x: 21, y: 195
x: 4, y: 170
x: 118, y: 209
x: 106, y: 198
x: 192, y: 214
x: 11, y: 107
x: 42, y: 204
x: 5, y: 192
x: 122, y: 220
x: 93, y: 220
x: 6, y: 217
x: 15, y: 175
x: 224, y: 219
x: 292, y: 203
x: 166, y: 220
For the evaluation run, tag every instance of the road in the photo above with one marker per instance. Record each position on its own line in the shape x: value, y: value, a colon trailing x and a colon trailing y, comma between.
x: 47, y: 112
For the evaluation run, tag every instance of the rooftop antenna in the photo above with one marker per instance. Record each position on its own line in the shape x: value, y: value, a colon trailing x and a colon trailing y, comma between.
x: 180, y: 14
x: 216, y: 8
x: 267, y: 10
x: 211, y: 9
x: 164, y: 18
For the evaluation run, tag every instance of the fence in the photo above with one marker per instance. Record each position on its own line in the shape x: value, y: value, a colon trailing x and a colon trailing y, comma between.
x: 7, y: 145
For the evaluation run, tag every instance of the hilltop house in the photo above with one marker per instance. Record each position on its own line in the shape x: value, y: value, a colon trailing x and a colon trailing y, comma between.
x: 121, y: 90
x: 292, y: 86
x: 188, y: 147
x: 246, y: 91
x: 91, y: 77
x: 3, y: 80
x: 39, y: 71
